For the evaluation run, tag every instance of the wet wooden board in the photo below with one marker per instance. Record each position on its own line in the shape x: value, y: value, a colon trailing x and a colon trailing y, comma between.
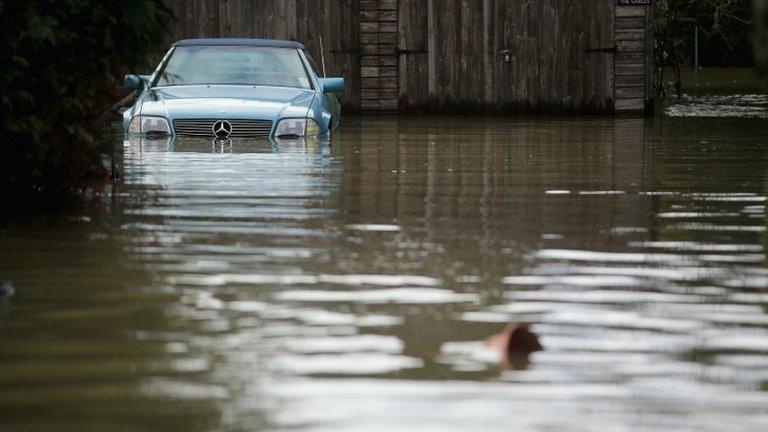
x: 378, y: 52
x: 634, y: 62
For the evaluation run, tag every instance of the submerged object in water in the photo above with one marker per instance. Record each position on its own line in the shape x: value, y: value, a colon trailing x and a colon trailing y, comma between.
x: 6, y: 290
x: 516, y: 340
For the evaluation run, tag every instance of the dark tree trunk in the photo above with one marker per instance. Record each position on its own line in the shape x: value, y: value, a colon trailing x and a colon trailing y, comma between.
x: 761, y: 35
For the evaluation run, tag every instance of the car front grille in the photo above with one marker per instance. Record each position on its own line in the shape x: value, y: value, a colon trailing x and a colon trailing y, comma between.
x: 240, y: 128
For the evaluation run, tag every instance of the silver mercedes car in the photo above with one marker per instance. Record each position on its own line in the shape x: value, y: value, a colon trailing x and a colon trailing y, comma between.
x: 231, y: 88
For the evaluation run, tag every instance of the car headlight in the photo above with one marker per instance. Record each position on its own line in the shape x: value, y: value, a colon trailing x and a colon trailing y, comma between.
x: 297, y: 127
x: 150, y: 125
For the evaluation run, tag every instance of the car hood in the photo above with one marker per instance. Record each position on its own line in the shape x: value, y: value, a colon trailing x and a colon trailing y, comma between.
x: 227, y: 102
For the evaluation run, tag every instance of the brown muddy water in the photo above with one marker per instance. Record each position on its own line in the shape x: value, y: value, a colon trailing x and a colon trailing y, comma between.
x: 350, y: 287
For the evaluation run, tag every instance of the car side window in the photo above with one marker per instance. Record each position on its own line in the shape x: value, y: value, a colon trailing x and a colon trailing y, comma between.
x: 312, y: 64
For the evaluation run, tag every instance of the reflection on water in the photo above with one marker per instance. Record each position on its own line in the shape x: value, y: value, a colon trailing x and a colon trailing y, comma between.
x: 741, y: 106
x: 351, y: 285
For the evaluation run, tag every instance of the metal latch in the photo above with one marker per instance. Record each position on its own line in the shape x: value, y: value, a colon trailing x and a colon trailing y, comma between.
x: 507, y: 54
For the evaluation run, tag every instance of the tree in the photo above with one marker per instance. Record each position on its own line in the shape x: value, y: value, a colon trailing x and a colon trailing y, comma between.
x: 725, y: 28
x: 60, y: 65
x: 761, y: 35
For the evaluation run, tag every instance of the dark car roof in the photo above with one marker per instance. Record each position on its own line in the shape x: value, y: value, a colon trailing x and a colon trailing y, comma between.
x: 273, y: 43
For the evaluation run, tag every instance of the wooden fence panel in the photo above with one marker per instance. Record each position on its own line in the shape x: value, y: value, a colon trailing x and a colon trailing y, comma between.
x: 412, y: 43
x: 547, y: 68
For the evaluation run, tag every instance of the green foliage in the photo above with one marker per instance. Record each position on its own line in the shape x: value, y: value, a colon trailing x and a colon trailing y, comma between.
x: 725, y: 32
x: 60, y: 64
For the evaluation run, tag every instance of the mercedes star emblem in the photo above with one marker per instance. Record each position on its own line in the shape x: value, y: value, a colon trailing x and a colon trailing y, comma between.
x: 222, y: 129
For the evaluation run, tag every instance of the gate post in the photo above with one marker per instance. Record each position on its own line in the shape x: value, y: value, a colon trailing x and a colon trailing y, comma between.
x: 634, y: 68
x: 378, y: 56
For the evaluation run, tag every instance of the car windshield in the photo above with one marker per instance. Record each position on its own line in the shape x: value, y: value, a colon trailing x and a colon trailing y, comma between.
x: 235, y: 65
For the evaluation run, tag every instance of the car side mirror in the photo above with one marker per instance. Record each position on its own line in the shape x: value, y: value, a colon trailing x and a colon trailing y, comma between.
x: 332, y: 85
x: 135, y: 82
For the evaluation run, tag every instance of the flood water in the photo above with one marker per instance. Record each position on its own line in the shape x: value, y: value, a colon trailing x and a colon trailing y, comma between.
x: 351, y: 286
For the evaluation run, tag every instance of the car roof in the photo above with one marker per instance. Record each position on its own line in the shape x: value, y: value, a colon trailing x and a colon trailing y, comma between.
x: 272, y: 43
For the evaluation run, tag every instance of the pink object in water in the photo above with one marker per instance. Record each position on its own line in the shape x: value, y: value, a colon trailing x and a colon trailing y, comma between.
x: 516, y: 339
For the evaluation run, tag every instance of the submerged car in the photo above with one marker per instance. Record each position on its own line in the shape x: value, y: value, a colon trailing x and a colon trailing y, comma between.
x: 232, y: 88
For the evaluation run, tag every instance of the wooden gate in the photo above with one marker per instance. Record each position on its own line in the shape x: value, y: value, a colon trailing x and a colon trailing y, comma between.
x: 507, y: 55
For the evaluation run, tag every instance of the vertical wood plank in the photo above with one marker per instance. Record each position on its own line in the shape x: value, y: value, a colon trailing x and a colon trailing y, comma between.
x: 487, y: 55
x: 403, y: 19
x: 431, y: 49
x: 290, y: 19
x: 650, y: 66
x: 278, y: 19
